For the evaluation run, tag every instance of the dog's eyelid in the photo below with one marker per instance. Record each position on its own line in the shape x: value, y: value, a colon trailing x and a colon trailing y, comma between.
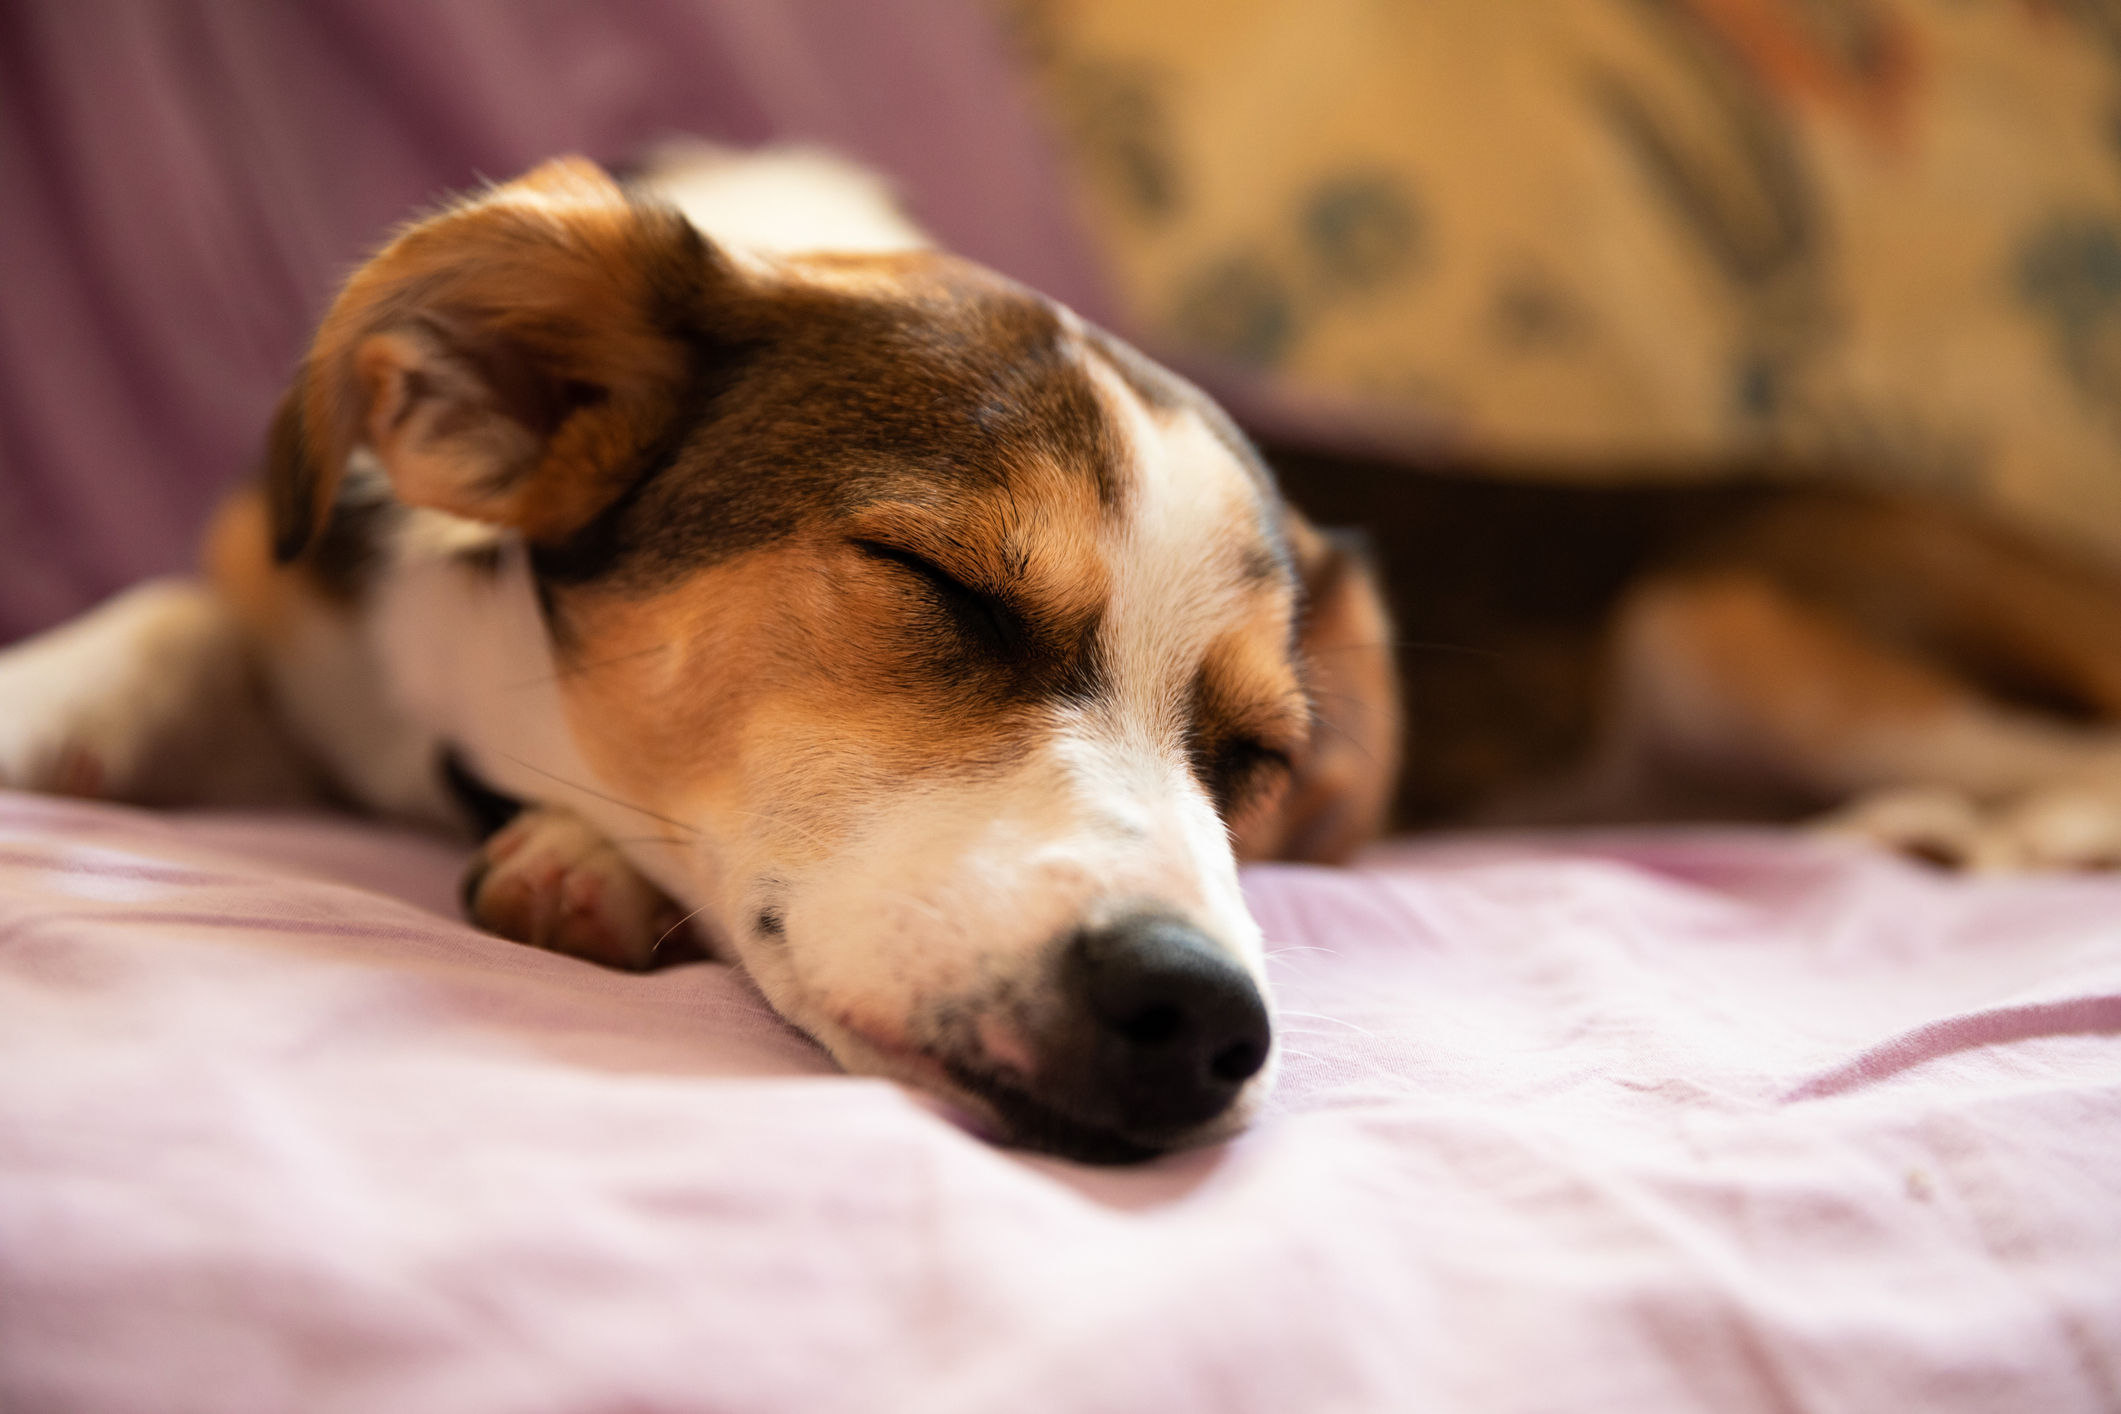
x: 1254, y: 751
x: 1240, y: 769
x: 992, y: 618
x: 1276, y: 725
x: 920, y: 563
x: 1273, y: 755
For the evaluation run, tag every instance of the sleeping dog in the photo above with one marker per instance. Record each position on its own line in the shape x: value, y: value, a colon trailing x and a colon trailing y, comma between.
x: 887, y: 629
x: 863, y: 615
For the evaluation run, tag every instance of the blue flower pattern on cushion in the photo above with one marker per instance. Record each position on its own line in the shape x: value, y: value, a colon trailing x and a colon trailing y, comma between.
x: 1356, y: 231
x: 2069, y: 271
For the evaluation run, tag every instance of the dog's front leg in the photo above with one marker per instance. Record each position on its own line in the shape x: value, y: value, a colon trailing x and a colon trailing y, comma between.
x: 155, y: 698
x: 550, y: 879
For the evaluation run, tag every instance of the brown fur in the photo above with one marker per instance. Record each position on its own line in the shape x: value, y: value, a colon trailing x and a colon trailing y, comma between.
x: 237, y: 558
x: 564, y: 298
x: 1345, y: 766
x: 1752, y: 650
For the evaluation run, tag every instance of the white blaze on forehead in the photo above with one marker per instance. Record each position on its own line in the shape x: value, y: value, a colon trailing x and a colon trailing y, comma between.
x: 1178, y: 552
x: 781, y: 200
x: 1177, y: 556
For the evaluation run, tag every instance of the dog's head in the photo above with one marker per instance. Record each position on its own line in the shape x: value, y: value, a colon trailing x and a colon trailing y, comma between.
x: 966, y: 648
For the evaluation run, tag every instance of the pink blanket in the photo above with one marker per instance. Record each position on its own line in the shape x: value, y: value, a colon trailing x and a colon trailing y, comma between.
x: 1726, y: 1122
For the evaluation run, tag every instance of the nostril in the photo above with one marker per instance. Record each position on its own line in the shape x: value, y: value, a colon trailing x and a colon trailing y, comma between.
x: 1239, y: 1061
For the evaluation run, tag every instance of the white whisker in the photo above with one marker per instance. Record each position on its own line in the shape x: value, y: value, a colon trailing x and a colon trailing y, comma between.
x: 1336, y: 1020
x: 577, y: 785
x: 672, y: 929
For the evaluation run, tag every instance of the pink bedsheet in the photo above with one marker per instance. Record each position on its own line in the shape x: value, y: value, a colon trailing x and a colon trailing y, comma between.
x: 1727, y: 1121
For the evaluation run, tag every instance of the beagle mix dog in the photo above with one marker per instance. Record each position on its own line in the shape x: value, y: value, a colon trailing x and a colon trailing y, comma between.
x: 863, y: 615
x: 876, y: 623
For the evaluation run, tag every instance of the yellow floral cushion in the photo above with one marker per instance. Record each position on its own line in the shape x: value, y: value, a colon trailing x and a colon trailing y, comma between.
x: 1594, y: 238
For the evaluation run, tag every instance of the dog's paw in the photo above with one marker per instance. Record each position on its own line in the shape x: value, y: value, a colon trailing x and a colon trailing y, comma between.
x: 2061, y: 827
x: 64, y: 768
x: 2051, y: 829
x: 550, y: 880
x: 57, y: 734
x: 54, y: 747
x: 1930, y: 823
x: 152, y: 698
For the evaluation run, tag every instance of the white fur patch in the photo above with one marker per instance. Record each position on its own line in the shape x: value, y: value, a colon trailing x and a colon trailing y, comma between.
x: 466, y: 660
x: 783, y: 201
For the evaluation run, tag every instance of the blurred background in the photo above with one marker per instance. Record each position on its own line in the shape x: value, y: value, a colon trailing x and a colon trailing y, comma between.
x: 1563, y: 243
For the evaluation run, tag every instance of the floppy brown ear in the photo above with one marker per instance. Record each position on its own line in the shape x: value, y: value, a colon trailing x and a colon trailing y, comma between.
x: 1343, y: 780
x: 511, y: 360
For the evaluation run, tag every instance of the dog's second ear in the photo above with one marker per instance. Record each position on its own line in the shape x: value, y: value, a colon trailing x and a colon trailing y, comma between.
x: 511, y: 360
x: 1343, y: 780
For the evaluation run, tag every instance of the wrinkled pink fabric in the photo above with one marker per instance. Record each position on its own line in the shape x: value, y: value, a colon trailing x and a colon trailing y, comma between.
x: 1705, y: 1121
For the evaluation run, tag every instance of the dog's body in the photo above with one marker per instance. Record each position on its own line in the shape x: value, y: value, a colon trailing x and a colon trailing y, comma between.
x: 1765, y: 648
x: 923, y: 649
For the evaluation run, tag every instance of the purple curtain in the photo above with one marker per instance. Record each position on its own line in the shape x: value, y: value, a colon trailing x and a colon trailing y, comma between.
x: 186, y: 182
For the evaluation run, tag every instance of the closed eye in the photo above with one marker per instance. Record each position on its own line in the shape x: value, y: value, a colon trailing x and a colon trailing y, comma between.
x: 1239, y: 770
x: 989, y: 624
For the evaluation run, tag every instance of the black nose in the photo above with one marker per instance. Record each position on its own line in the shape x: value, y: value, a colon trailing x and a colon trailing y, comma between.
x: 1178, y: 1027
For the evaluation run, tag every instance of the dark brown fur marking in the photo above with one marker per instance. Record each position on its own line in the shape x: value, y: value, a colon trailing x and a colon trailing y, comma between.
x: 951, y: 382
